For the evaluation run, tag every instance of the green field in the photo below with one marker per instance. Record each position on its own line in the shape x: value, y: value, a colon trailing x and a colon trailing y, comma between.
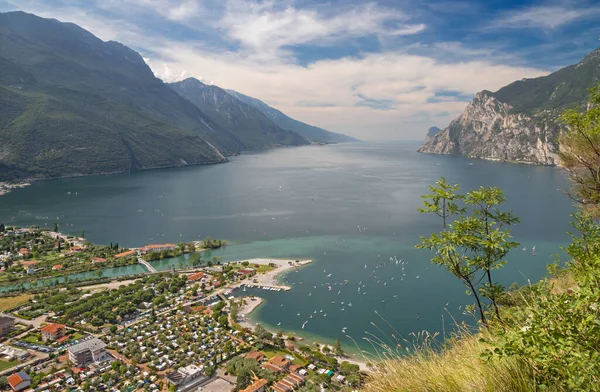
x: 7, y: 364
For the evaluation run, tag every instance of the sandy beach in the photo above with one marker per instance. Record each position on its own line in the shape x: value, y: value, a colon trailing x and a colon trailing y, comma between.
x: 250, y: 303
x: 271, y: 278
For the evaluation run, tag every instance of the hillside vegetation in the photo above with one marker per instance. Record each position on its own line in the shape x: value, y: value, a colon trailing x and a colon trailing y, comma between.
x: 543, y: 336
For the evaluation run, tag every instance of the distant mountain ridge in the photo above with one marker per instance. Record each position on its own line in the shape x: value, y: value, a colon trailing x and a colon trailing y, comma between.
x: 73, y: 105
x: 519, y: 122
x: 309, y: 132
x: 248, y: 124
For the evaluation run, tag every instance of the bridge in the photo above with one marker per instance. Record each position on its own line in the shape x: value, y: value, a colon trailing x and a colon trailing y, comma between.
x: 146, y: 264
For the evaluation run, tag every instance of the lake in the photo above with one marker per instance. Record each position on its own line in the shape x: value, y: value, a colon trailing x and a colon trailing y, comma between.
x: 350, y: 207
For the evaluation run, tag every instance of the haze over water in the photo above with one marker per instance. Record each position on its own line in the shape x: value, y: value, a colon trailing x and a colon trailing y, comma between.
x: 345, y: 206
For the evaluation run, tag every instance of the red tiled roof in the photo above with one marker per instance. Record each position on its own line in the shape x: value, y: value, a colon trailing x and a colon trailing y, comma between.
x: 271, y: 367
x: 127, y: 253
x: 256, y: 386
x: 14, y: 380
x: 57, y: 267
x: 255, y: 355
x: 53, y: 328
x: 280, y: 361
x: 196, y: 276
x: 98, y: 259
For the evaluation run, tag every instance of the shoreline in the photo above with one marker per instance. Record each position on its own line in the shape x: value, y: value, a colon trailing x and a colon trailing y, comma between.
x: 7, y: 187
x: 271, y: 279
x: 245, y: 321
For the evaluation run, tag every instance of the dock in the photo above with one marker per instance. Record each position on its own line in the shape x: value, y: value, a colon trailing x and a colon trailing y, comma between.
x: 149, y: 267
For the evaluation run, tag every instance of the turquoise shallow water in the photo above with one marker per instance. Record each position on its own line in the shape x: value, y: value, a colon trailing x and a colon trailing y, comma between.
x: 345, y: 206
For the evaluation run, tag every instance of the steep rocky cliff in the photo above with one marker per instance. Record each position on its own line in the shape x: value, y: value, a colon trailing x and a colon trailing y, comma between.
x: 519, y: 122
x: 490, y: 129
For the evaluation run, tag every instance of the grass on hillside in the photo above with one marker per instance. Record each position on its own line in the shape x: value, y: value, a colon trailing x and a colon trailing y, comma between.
x: 8, y: 303
x: 456, y: 369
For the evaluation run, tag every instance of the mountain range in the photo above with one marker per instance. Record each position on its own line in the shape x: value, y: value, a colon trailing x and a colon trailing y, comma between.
x: 310, y: 132
x: 72, y: 104
x: 521, y: 121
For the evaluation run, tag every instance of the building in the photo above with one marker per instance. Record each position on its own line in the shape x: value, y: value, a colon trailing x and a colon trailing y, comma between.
x: 87, y: 352
x: 257, y: 386
x: 280, y: 361
x: 23, y: 252
x: 187, y: 377
x: 53, y: 332
x: 247, y: 271
x: 125, y: 254
x: 255, y: 355
x: 289, y: 383
x: 98, y: 260
x: 27, y: 264
x: 57, y: 267
x: 156, y: 248
x: 19, y: 381
x: 196, y: 276
x: 7, y: 324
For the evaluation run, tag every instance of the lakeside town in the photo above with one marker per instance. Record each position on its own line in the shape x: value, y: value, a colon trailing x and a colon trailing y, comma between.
x: 177, y: 330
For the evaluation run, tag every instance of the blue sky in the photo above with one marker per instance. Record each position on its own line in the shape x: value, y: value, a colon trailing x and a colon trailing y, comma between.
x: 375, y: 70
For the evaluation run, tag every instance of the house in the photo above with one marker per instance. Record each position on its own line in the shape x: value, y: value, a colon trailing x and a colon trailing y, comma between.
x: 272, y: 368
x: 280, y: 361
x: 295, y: 368
x: 19, y: 381
x: 23, y: 252
x: 289, y: 383
x: 57, y: 267
x: 53, y: 332
x: 87, y: 352
x: 257, y: 386
x: 7, y: 324
x: 125, y: 254
x: 98, y: 260
x: 255, y: 355
x: 247, y: 271
x: 27, y: 264
x: 196, y: 276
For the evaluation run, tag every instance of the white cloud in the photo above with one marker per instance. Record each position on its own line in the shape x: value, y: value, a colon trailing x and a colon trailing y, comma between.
x: 326, y: 93
x: 175, y: 10
x: 547, y: 17
x: 265, y: 27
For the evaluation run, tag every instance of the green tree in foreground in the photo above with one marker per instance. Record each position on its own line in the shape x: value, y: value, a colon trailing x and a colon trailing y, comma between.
x: 558, y: 332
x: 474, y: 240
x: 580, y: 153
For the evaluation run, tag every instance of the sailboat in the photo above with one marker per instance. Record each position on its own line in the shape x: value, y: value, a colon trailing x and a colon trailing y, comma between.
x: 533, y: 251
